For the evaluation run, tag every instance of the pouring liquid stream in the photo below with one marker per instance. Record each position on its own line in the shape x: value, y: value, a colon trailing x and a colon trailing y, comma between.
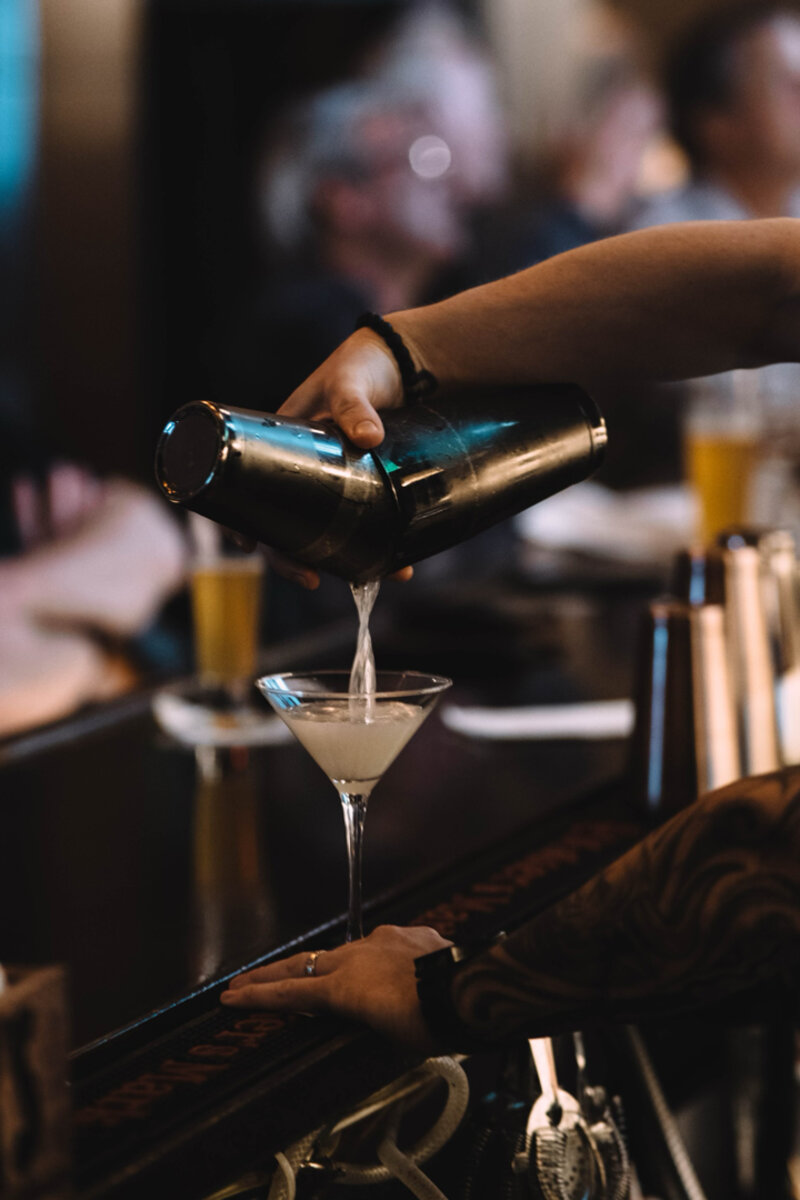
x: 374, y: 731
x: 362, y: 674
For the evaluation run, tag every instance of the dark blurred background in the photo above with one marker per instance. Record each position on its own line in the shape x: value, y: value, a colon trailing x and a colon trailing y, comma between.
x: 131, y: 228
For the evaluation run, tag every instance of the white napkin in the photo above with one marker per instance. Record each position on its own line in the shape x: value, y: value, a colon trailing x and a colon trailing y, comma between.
x: 646, y: 525
x: 594, y: 719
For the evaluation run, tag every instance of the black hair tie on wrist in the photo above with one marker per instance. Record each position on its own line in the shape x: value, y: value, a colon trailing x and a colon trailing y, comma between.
x: 416, y: 384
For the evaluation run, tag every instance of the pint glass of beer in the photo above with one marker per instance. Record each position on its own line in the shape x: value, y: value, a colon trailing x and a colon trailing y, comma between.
x: 226, y: 589
x: 722, y: 445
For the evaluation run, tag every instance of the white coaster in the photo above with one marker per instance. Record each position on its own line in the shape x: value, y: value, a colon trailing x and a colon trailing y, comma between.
x: 183, y: 715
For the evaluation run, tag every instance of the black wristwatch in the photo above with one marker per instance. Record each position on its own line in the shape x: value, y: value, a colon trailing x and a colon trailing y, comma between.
x: 435, y: 974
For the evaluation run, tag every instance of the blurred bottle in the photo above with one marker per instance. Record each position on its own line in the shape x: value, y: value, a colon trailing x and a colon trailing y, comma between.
x: 445, y: 471
x: 685, y: 741
x: 777, y: 625
x: 751, y: 657
x: 783, y: 614
x: 718, y: 690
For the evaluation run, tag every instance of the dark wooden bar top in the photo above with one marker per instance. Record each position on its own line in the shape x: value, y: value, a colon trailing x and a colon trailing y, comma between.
x: 154, y: 871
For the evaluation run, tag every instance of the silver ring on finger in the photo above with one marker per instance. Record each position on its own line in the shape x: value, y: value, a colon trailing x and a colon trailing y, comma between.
x: 310, y: 967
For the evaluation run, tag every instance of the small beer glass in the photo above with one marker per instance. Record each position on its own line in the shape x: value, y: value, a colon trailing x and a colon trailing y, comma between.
x: 226, y: 592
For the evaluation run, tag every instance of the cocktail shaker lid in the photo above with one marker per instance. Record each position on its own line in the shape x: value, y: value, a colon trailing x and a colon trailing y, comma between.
x: 192, y: 447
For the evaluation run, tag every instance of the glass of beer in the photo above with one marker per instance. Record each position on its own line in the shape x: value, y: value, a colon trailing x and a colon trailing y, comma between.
x: 722, y: 447
x: 226, y: 592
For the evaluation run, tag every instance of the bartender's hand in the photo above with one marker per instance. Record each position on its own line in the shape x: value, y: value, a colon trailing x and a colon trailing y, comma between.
x: 372, y: 980
x: 360, y: 377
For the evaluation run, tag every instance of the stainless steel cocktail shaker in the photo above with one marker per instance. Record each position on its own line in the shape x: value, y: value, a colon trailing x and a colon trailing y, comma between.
x: 446, y: 470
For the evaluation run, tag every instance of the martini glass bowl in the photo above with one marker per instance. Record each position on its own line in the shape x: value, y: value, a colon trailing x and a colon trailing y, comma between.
x: 353, y: 737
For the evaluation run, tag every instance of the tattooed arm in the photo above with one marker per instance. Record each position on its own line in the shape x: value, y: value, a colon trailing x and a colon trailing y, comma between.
x: 702, y: 909
x: 705, y: 907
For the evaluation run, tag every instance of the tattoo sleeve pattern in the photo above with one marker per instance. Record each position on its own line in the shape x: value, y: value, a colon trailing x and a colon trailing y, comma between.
x: 704, y: 908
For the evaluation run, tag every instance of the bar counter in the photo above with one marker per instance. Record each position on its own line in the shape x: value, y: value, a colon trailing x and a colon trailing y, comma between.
x: 154, y: 871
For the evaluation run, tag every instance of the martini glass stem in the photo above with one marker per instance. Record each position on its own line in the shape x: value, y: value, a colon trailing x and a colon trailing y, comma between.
x: 354, y: 809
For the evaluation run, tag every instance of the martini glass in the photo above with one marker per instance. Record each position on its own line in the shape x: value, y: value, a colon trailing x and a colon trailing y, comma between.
x: 353, y: 737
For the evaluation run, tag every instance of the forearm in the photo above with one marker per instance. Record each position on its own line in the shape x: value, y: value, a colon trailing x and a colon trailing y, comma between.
x: 664, y: 303
x: 701, y: 910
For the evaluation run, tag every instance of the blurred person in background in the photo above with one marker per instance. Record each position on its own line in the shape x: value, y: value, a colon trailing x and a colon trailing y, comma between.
x: 86, y: 566
x: 733, y: 91
x: 732, y: 83
x: 591, y: 177
x: 594, y: 184
x: 366, y: 194
x: 359, y: 213
x: 435, y: 56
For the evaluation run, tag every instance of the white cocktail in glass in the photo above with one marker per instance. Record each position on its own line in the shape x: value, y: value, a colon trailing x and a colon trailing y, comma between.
x: 353, y: 737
